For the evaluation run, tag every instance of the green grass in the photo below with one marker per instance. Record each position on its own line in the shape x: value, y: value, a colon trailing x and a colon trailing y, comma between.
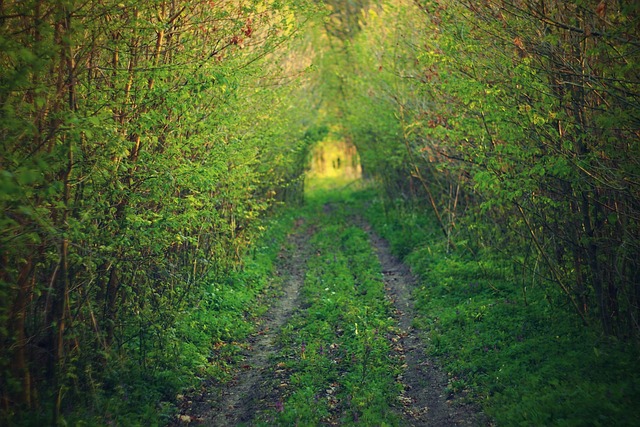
x: 335, y: 351
x: 527, y: 362
x: 206, y: 341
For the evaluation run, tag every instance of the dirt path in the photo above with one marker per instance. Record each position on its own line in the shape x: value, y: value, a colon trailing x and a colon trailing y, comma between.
x: 237, y: 402
x: 423, y: 398
x: 253, y: 390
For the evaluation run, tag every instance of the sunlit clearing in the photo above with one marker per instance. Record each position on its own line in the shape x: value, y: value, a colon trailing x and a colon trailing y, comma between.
x: 334, y: 164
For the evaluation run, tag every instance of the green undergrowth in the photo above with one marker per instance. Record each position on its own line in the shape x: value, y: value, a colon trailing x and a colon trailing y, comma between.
x: 205, y: 341
x: 335, y: 353
x: 525, y: 357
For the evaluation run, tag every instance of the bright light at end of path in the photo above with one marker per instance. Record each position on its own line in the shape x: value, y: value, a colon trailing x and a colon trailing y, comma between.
x: 334, y: 163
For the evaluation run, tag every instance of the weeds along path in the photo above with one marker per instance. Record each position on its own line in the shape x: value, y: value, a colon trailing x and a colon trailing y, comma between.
x: 424, y: 396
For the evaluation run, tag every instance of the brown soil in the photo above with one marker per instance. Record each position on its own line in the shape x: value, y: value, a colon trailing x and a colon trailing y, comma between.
x: 424, y: 398
x: 238, y: 402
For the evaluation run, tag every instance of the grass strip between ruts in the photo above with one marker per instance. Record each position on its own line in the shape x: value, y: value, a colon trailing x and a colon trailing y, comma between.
x: 336, y: 360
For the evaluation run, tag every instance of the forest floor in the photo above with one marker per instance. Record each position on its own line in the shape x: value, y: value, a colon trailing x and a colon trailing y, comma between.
x: 260, y: 385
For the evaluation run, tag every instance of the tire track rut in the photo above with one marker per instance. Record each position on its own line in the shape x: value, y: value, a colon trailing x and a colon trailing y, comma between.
x: 238, y: 402
x: 423, y: 398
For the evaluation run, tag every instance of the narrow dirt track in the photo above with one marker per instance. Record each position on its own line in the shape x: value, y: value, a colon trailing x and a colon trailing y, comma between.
x: 423, y: 398
x: 242, y: 399
x: 238, y: 402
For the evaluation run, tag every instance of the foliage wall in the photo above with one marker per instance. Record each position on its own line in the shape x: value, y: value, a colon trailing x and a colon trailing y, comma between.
x: 140, y: 144
x: 516, y: 124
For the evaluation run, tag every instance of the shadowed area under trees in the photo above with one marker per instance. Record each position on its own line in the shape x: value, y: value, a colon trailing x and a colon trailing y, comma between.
x: 147, y: 146
x: 141, y: 144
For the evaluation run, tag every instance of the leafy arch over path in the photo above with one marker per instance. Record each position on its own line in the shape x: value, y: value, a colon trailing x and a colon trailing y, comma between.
x: 143, y: 142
